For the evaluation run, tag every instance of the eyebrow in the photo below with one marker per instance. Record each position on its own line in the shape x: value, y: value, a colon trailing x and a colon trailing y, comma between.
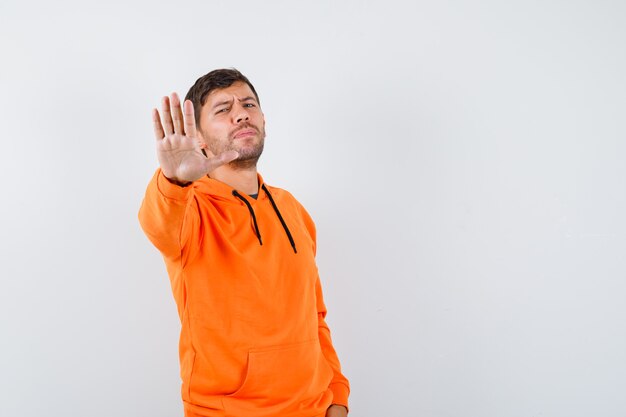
x: 221, y: 103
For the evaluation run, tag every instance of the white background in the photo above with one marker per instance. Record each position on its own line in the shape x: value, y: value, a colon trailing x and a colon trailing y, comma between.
x: 463, y: 160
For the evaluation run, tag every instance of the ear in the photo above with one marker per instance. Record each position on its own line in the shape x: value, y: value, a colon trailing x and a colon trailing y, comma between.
x: 200, y: 137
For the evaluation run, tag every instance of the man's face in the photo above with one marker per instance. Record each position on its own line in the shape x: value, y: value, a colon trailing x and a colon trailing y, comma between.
x: 231, y: 119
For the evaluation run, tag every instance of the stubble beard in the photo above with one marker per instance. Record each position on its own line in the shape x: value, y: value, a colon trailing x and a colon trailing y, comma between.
x: 248, y: 154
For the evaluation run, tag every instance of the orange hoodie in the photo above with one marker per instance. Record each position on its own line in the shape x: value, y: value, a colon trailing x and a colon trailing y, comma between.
x: 253, y: 339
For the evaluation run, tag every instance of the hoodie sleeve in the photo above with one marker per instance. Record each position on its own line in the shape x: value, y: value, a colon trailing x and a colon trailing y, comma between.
x: 165, y: 215
x: 339, y: 385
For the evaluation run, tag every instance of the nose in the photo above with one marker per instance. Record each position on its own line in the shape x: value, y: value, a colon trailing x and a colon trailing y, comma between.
x: 240, y: 115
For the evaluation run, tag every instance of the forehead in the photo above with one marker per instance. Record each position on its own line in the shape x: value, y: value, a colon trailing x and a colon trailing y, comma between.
x: 238, y: 90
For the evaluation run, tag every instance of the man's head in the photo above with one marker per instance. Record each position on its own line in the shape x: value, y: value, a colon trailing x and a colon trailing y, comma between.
x: 228, y: 115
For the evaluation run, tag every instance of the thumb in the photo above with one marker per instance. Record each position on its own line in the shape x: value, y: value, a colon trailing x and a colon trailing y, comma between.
x: 221, y: 159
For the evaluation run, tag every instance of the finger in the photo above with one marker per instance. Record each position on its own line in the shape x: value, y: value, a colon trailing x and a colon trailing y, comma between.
x: 177, y: 114
x: 156, y: 124
x: 167, y: 116
x: 190, y: 119
x: 221, y: 159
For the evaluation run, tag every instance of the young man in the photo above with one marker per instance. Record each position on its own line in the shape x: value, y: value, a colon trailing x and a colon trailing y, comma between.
x: 241, y: 259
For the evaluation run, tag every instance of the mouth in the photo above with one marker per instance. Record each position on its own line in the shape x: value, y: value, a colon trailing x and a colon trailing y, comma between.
x: 244, y: 133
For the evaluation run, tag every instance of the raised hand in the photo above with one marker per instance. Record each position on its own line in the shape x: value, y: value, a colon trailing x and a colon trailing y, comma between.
x: 178, y: 146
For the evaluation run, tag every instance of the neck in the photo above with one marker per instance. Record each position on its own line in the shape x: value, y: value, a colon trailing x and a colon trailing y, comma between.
x: 241, y: 179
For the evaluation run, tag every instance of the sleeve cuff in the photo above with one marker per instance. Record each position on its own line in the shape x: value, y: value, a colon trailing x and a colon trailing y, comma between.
x: 171, y: 190
x: 340, y: 394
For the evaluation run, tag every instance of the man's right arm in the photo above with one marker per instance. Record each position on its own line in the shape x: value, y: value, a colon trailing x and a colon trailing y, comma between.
x: 163, y: 215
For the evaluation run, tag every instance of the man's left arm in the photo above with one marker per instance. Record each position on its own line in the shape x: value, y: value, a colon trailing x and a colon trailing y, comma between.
x: 339, y: 385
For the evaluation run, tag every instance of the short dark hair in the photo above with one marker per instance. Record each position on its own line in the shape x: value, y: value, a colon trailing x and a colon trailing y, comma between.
x: 215, y: 80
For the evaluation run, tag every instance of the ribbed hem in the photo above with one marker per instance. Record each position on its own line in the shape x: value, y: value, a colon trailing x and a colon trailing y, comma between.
x: 171, y: 190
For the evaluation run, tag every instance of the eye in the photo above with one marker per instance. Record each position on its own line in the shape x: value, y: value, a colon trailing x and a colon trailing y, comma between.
x: 249, y: 105
x: 222, y: 110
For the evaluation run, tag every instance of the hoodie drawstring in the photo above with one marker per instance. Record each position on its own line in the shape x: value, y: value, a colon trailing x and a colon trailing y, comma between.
x: 293, y: 244
x: 256, y: 226
x: 280, y: 217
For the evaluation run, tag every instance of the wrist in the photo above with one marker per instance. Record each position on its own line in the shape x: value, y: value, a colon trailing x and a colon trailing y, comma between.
x: 337, y: 410
x: 177, y: 182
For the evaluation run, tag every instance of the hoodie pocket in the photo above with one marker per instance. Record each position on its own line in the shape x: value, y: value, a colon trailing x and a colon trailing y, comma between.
x: 282, y: 377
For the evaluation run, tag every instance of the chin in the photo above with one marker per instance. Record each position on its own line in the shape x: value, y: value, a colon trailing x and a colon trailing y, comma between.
x: 252, y: 151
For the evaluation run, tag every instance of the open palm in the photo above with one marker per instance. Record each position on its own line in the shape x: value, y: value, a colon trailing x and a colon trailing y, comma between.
x: 178, y: 147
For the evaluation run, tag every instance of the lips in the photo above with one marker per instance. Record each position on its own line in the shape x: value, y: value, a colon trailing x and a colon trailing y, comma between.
x: 244, y: 133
